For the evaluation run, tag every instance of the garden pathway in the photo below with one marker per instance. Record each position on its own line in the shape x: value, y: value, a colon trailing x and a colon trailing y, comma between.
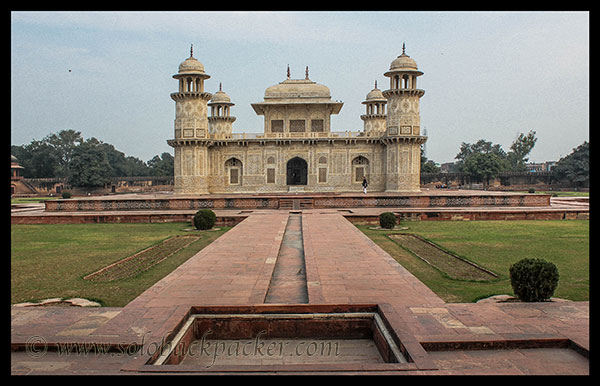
x: 343, y: 266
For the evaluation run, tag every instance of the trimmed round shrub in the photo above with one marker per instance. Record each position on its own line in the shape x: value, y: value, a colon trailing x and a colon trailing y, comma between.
x: 531, y: 190
x: 204, y: 219
x: 533, y: 280
x: 66, y: 194
x: 387, y: 220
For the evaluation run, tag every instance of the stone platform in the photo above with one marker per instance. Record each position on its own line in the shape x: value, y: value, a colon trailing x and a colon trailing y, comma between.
x: 361, y: 208
x: 425, y: 199
x: 345, y: 274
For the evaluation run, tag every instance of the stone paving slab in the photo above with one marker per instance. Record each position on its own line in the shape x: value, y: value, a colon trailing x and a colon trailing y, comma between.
x: 52, y: 322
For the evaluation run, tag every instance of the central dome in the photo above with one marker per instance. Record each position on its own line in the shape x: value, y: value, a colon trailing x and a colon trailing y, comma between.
x: 297, y: 88
x: 297, y: 92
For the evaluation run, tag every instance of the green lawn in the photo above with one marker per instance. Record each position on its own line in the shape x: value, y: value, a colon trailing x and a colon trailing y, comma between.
x: 30, y: 200
x: 496, y: 245
x: 50, y: 261
x: 557, y: 193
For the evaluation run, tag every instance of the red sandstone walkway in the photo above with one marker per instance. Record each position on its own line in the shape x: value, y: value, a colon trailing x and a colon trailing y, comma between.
x: 234, y: 270
x: 343, y: 266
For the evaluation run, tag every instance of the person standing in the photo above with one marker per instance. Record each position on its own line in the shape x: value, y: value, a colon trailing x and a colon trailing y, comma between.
x: 365, y: 184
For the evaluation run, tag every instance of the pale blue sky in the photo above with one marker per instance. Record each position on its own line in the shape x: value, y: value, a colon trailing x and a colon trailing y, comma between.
x: 489, y: 75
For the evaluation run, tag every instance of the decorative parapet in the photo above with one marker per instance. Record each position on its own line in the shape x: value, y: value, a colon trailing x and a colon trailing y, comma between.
x: 318, y: 200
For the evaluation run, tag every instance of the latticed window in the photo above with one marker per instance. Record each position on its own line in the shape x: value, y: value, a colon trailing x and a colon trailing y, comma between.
x: 270, y: 176
x: 277, y: 126
x: 297, y: 125
x: 359, y: 173
x: 322, y: 174
x: 233, y: 162
x: 234, y: 176
x: 360, y: 160
x: 316, y: 125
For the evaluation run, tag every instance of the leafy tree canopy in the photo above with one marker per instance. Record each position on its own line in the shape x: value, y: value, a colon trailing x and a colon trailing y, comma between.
x: 484, y: 160
x: 575, y: 167
x: 427, y: 165
x: 84, y: 162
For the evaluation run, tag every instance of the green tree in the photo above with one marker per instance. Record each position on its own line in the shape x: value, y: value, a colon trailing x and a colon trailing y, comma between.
x: 480, y: 147
x: 135, y: 167
x: 483, y: 166
x: 89, y: 165
x: 38, y: 159
x: 427, y: 165
x: 492, y: 159
x: 575, y: 167
x: 162, y: 166
x: 52, y: 157
x: 121, y: 165
x: 64, y: 143
x: 520, y: 148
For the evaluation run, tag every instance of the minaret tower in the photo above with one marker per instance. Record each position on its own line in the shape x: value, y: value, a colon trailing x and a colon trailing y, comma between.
x: 374, y: 117
x: 191, y: 127
x: 403, y: 126
x: 190, y: 102
x: 220, y: 120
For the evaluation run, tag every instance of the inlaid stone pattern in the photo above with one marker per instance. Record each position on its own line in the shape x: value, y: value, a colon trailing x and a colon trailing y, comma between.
x: 321, y: 200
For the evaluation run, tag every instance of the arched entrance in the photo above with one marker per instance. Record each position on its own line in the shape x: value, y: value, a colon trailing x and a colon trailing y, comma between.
x: 297, y: 171
x: 360, y: 169
x: 233, y: 170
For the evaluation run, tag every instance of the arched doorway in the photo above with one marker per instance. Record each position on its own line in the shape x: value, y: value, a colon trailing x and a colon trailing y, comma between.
x: 360, y: 169
x: 233, y: 170
x: 297, y: 171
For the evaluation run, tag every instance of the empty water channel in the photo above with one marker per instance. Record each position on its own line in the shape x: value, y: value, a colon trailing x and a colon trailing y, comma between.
x: 288, y: 282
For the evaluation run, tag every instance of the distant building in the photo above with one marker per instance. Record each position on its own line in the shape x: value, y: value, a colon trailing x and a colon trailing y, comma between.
x: 533, y: 167
x: 15, y: 169
x: 18, y: 186
x: 448, y: 167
